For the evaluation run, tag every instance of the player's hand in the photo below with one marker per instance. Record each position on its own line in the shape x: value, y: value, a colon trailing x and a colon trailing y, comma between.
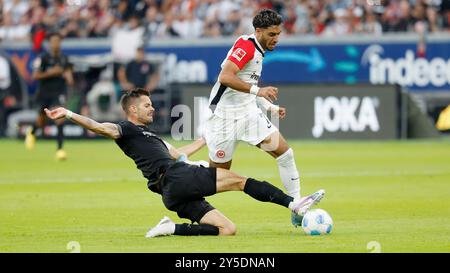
x: 57, y: 113
x: 270, y: 93
x: 282, y: 112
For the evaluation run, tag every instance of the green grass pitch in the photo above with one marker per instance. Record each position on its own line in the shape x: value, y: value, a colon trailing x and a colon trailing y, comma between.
x: 392, y: 194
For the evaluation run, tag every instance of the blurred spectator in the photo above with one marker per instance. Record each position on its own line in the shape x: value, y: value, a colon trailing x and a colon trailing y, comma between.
x: 302, y: 24
x: 370, y: 25
x: 166, y: 28
x: 5, y: 83
x: 212, y: 18
x: 12, y: 90
x: 139, y: 73
x: 445, y: 13
x: 16, y: 9
x: 247, y: 12
x: 341, y: 24
x: 395, y: 16
x: 126, y: 39
x: 10, y: 31
x: 188, y: 26
x: 212, y: 29
x: 152, y: 21
x: 231, y: 24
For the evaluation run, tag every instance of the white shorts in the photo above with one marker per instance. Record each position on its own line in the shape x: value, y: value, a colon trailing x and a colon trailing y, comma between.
x: 222, y: 135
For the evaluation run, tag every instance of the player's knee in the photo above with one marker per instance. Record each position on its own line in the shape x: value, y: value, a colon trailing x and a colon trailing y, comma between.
x: 239, y: 182
x: 229, y: 229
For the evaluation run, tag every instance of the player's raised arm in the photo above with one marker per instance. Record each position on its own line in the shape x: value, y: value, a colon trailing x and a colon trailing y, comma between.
x: 106, y: 129
x: 228, y: 77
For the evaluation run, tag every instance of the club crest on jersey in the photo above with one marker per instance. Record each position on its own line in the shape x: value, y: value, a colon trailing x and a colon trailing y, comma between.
x: 239, y: 53
x: 220, y: 153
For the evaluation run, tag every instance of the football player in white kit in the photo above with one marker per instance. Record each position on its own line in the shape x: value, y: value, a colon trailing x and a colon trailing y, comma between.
x: 234, y: 101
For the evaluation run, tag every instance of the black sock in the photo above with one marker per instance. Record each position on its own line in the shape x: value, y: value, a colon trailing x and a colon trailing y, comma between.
x: 190, y: 229
x: 33, y: 129
x: 60, y: 136
x: 266, y: 192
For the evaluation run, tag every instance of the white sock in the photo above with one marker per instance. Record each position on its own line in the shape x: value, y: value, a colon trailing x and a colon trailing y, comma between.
x: 289, y: 173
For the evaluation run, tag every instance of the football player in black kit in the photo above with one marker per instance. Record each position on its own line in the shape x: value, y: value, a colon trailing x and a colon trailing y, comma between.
x: 52, y: 70
x: 182, y: 186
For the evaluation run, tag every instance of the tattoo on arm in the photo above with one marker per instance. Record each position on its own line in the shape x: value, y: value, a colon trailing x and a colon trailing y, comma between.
x: 107, y: 129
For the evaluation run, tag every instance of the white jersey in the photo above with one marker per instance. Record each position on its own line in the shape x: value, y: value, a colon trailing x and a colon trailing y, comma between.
x: 225, y: 102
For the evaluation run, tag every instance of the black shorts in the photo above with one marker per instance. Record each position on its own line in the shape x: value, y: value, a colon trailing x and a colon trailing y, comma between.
x: 50, y: 101
x: 184, y: 187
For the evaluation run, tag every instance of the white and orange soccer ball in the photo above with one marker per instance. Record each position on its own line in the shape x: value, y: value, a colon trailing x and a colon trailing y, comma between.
x: 317, y: 222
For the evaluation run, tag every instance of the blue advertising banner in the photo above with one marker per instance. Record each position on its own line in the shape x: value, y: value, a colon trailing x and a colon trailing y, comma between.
x: 374, y: 63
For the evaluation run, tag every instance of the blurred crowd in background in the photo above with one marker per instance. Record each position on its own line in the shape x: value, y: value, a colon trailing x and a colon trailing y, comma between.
x: 25, y: 20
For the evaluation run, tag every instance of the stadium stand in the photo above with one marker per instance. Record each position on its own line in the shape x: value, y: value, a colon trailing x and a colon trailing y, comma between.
x: 211, y: 18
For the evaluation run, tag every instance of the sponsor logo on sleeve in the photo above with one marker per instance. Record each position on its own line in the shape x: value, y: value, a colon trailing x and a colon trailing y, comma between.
x: 239, y: 53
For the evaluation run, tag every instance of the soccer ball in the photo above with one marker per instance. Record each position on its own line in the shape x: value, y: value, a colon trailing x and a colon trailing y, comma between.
x: 317, y: 222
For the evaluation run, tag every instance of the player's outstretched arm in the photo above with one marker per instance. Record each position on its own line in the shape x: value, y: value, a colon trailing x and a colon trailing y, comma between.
x: 184, y: 152
x: 192, y: 147
x: 106, y: 129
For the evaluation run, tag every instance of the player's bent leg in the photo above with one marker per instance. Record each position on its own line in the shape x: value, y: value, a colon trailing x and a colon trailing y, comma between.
x: 286, y: 166
x: 286, y: 162
x: 217, y: 219
x: 274, y: 144
x: 40, y: 121
x: 194, y: 210
x: 229, y: 181
x: 30, y: 137
x: 259, y: 190
x: 212, y: 223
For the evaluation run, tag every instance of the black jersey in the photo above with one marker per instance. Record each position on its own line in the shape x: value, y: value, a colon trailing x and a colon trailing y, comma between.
x: 138, y: 72
x: 53, y: 86
x: 147, y: 150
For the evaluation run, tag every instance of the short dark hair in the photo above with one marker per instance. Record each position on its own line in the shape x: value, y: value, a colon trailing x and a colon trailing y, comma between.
x: 266, y: 18
x: 54, y: 33
x: 130, y: 95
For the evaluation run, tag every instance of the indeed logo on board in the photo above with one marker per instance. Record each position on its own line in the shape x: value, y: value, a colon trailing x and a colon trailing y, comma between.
x: 334, y: 114
x: 408, y: 71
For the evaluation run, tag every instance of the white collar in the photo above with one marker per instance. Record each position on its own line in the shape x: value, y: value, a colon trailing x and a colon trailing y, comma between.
x: 257, y: 43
